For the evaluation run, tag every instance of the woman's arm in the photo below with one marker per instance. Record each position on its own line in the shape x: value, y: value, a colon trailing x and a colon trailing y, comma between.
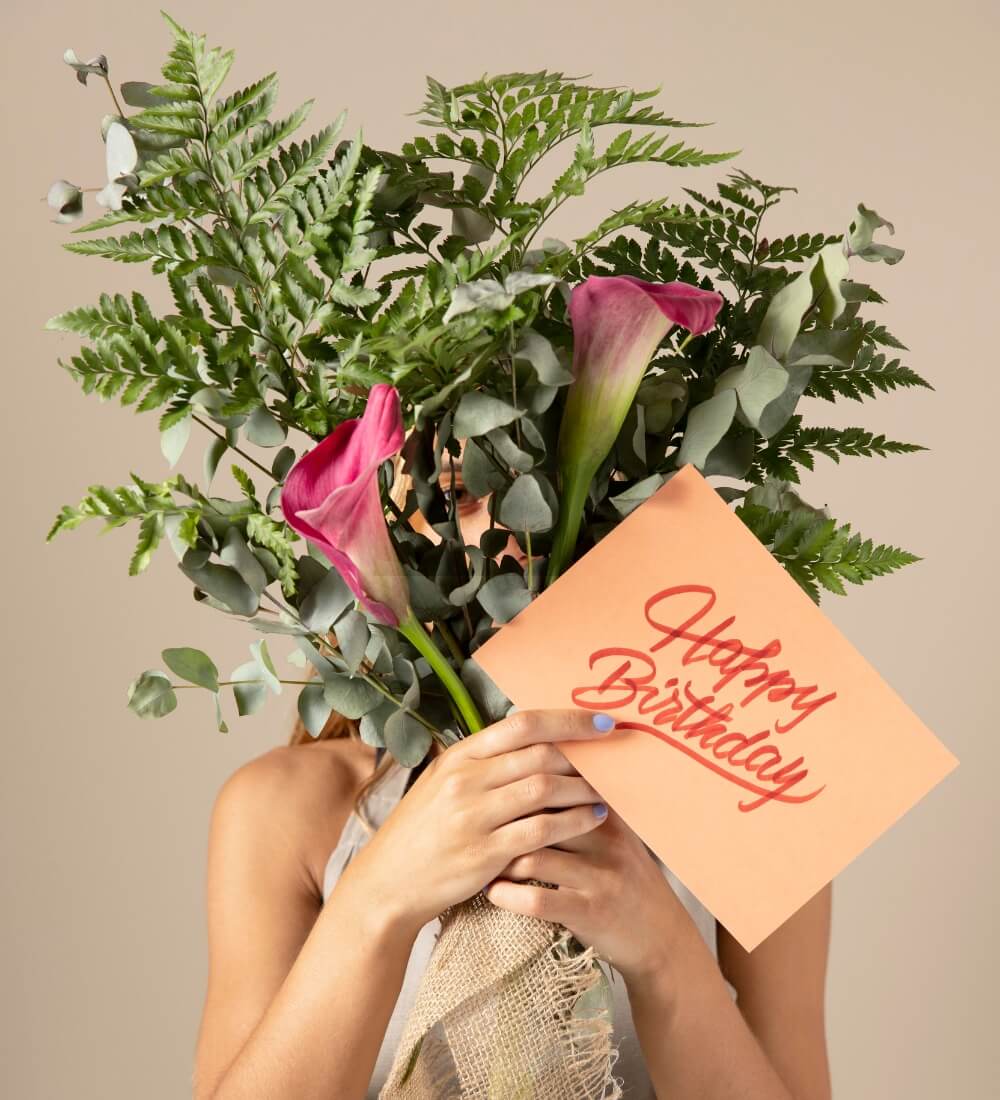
x: 298, y: 1004
x: 299, y: 995
x: 698, y: 1043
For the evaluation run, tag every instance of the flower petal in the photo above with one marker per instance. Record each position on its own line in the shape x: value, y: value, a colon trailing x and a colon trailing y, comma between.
x: 331, y: 497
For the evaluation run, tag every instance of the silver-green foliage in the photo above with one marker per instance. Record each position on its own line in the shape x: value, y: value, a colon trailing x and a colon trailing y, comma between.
x: 303, y: 271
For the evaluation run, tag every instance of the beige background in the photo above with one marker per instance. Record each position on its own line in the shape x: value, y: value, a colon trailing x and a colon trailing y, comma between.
x: 105, y: 818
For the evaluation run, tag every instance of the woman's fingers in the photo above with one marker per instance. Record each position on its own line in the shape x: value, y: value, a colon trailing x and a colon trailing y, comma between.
x: 527, y: 727
x: 551, y: 865
x: 533, y: 794
x: 541, y: 758
x: 542, y: 830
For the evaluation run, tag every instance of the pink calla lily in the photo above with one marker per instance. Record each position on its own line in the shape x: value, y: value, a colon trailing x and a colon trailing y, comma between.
x: 331, y: 498
x: 618, y: 323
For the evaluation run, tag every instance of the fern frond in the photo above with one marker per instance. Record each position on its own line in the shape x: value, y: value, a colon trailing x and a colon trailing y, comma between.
x: 148, y: 503
x: 816, y: 551
x: 870, y: 373
x: 795, y: 446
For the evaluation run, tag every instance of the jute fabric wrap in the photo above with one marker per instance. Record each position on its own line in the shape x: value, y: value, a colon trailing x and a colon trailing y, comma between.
x: 493, y: 1020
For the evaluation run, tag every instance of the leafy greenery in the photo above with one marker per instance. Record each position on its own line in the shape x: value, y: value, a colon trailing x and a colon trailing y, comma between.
x: 304, y: 271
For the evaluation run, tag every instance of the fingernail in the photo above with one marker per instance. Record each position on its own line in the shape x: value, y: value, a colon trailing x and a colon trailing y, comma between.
x: 600, y: 810
x: 603, y: 723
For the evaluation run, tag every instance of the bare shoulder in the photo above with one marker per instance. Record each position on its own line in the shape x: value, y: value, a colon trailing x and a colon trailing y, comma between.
x: 295, y: 799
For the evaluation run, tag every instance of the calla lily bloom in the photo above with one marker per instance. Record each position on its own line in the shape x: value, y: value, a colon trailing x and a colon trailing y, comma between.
x: 331, y: 497
x: 618, y: 323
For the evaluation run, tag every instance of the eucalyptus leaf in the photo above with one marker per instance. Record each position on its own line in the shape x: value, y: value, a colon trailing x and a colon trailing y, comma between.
x: 350, y: 695
x: 469, y: 224
x: 626, y: 502
x: 490, y: 700
x: 372, y: 725
x: 151, y: 695
x: 759, y: 383
x: 860, y: 236
x: 517, y: 282
x: 192, y: 665
x: 525, y: 506
x: 225, y: 585
x: 479, y: 474
x: 503, y: 596
x: 249, y: 688
x: 314, y: 708
x: 277, y: 626
x: 509, y: 452
x: 237, y: 554
x: 826, y: 347
x: 326, y: 602
x: 137, y: 93
x: 213, y: 456
x: 732, y: 456
x: 465, y: 593
x: 263, y: 658
x: 707, y: 423
x: 777, y: 413
x: 174, y: 439
x: 493, y: 540
x: 479, y: 413
x: 66, y: 199
x: 96, y: 66
x: 263, y: 429
x: 534, y: 348
x: 427, y: 600
x: 284, y: 460
x: 482, y: 294
x: 830, y: 266
x: 406, y: 738
x: 819, y: 281
x: 353, y: 635
x: 220, y: 722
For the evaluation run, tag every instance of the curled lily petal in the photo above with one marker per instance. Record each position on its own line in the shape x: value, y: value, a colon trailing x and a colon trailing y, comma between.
x: 618, y: 323
x: 331, y: 497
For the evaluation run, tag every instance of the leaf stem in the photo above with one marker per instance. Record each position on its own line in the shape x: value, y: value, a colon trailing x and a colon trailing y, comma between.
x: 222, y: 436
x: 118, y: 106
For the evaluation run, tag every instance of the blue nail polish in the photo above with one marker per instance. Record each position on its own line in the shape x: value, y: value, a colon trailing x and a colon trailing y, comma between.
x: 600, y: 810
x: 603, y: 723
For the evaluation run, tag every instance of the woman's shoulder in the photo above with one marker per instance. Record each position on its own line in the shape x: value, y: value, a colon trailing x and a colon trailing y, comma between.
x: 305, y: 792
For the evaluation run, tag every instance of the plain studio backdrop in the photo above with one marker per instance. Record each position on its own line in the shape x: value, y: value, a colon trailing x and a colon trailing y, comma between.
x: 105, y: 817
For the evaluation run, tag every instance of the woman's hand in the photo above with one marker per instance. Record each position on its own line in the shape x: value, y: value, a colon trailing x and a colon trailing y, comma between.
x: 494, y: 796
x: 611, y: 895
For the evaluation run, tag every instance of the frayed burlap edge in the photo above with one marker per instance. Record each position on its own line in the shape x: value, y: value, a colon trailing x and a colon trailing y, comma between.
x: 493, y: 1020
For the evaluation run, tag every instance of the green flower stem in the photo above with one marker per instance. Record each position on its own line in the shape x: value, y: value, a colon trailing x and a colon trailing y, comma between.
x: 575, y: 485
x: 413, y: 630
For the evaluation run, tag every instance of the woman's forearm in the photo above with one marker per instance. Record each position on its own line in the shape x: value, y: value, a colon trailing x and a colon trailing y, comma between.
x: 695, y: 1042
x: 321, y: 1034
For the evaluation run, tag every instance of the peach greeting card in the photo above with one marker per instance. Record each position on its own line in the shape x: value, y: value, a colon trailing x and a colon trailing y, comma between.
x: 756, y: 751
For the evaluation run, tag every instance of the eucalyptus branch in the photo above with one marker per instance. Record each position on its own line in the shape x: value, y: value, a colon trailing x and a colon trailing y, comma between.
x: 231, y: 446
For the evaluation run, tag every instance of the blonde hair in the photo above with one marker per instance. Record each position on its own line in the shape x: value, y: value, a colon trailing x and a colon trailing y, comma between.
x: 337, y: 725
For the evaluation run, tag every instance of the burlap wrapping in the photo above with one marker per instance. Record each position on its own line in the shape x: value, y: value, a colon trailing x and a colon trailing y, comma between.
x: 492, y: 1018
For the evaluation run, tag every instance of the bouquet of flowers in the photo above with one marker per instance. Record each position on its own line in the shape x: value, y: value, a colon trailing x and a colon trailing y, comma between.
x: 350, y: 324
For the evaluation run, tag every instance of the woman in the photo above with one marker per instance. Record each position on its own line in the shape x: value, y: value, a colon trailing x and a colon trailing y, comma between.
x: 319, y: 927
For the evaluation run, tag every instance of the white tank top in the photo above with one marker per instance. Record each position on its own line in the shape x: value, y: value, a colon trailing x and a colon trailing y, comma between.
x: 629, y: 1067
